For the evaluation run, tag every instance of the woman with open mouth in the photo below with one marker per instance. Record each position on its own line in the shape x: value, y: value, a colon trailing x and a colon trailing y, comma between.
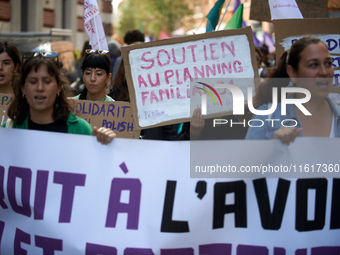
x: 306, y: 65
x: 40, y: 101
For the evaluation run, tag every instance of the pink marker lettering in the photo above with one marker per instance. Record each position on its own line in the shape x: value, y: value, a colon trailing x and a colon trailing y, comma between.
x: 192, y: 48
x: 231, y: 49
x: 147, y: 60
x: 174, y: 56
x: 158, y: 58
x: 212, y: 51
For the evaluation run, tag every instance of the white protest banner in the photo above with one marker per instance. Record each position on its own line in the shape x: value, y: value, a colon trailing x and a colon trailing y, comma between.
x: 93, y: 25
x: 287, y: 9
x: 68, y: 194
x: 159, y: 73
x: 5, y: 100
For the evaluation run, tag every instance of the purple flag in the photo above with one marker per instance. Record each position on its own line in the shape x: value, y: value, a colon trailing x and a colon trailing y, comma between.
x: 236, y: 5
x: 257, y: 42
x: 267, y: 39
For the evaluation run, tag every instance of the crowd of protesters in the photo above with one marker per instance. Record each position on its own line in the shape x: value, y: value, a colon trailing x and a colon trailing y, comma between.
x: 40, y: 92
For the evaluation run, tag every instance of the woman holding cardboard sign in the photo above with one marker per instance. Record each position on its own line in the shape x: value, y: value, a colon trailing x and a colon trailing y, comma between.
x: 10, y: 62
x: 40, y: 102
x: 96, y: 74
x: 308, y: 65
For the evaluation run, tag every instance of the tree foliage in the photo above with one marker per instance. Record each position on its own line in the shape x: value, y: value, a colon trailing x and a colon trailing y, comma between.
x: 153, y: 16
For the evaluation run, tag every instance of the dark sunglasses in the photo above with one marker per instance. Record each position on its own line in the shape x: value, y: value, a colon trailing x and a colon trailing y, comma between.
x: 49, y: 54
x: 90, y: 51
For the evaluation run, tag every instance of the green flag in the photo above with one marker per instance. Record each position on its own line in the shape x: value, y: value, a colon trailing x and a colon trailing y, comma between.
x: 235, y: 20
x: 214, y: 15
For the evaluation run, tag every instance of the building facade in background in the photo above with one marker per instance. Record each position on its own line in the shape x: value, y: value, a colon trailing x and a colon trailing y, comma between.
x: 65, y: 18
x: 61, y: 17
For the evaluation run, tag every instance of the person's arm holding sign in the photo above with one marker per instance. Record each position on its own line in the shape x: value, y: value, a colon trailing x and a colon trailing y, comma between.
x: 104, y: 135
x: 197, y: 123
x: 287, y: 135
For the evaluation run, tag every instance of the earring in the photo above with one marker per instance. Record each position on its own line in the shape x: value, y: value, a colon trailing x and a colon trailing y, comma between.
x: 23, y: 95
x: 58, y: 94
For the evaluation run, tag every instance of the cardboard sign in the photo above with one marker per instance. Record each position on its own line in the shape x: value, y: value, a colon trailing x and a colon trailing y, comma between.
x: 327, y: 30
x: 113, y: 115
x: 65, y: 50
x: 221, y: 96
x: 336, y: 81
x: 136, y: 197
x: 159, y: 73
x: 259, y: 9
x: 5, y: 100
x: 287, y: 9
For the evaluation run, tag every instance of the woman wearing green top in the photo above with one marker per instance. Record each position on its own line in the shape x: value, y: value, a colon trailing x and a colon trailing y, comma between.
x: 96, y: 74
x: 40, y: 102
